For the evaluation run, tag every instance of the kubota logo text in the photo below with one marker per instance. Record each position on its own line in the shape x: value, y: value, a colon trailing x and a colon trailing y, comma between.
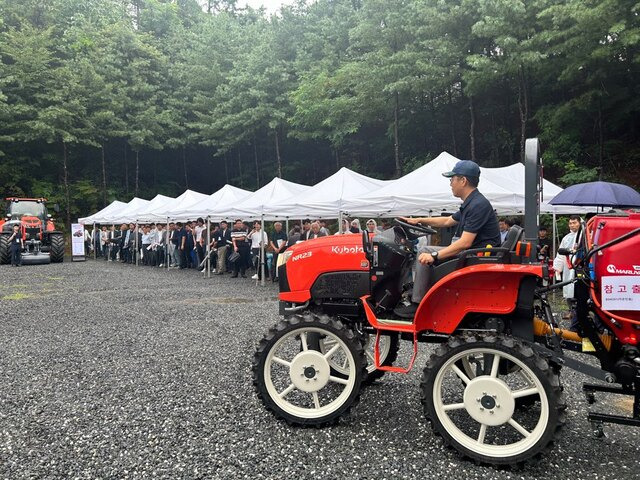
x: 346, y: 250
x: 624, y: 271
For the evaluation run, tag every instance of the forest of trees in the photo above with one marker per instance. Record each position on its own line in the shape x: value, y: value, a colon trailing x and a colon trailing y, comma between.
x: 107, y: 99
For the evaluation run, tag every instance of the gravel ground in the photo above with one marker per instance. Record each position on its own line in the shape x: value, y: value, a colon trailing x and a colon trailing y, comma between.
x: 108, y: 371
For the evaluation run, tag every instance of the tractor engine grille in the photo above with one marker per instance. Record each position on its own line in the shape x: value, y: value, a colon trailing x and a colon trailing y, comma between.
x: 32, y: 233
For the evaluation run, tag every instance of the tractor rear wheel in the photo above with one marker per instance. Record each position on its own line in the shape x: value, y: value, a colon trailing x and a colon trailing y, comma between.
x: 56, y: 250
x: 294, y: 380
x: 4, y: 249
x: 478, y: 415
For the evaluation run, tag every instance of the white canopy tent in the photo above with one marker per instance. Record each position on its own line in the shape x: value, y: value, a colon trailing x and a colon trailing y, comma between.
x: 224, y: 198
x: 254, y: 205
x: 101, y: 214
x: 172, y: 209
x: 425, y: 191
x: 325, y: 199
x: 143, y: 214
x: 120, y: 216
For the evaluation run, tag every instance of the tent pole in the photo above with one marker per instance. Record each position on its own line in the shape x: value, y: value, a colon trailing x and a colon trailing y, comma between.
x: 207, y: 251
x: 137, y: 247
x: 93, y: 242
x: 340, y: 222
x: 287, y: 226
x: 262, y: 233
x: 554, y: 234
x: 166, y: 247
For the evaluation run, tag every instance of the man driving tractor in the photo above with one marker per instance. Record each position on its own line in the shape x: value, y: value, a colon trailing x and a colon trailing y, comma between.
x: 477, y: 227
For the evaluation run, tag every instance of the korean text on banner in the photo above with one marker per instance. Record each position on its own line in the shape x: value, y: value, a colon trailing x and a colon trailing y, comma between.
x: 77, y: 239
x: 621, y: 292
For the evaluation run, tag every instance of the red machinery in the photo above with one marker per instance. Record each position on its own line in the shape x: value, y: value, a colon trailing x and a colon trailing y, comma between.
x: 43, y: 243
x: 492, y: 388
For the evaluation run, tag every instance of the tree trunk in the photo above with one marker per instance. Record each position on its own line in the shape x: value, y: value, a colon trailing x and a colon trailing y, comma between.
x: 226, y: 169
x: 396, y: 141
x: 184, y: 166
x: 240, y: 168
x: 255, y: 157
x: 337, y: 160
x: 135, y: 194
x: 452, y: 123
x: 472, y: 129
x: 523, y: 109
x: 278, y: 155
x: 65, y: 177
x: 104, y: 178
x: 600, y: 139
x: 126, y: 169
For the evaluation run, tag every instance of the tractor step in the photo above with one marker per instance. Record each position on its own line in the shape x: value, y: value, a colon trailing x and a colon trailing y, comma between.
x: 391, y: 368
x: 619, y: 419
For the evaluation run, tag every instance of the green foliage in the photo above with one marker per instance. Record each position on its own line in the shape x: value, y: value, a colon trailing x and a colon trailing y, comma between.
x: 324, y: 83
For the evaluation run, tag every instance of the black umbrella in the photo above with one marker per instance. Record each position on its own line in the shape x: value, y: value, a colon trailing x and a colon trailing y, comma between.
x: 598, y: 194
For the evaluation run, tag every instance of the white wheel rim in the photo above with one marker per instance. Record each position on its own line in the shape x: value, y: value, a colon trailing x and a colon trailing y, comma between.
x: 489, y: 403
x: 301, y: 383
x: 326, y: 343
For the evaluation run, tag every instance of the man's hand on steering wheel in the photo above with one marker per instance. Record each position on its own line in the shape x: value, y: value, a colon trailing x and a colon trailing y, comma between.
x: 411, y: 221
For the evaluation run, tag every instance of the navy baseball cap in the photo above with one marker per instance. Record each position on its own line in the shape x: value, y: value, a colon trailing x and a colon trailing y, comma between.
x: 465, y: 168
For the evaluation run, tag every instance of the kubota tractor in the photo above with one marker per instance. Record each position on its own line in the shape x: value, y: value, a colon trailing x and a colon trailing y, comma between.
x: 492, y: 388
x: 42, y: 242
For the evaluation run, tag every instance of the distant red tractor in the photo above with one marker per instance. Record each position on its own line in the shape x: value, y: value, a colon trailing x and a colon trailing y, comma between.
x: 42, y: 242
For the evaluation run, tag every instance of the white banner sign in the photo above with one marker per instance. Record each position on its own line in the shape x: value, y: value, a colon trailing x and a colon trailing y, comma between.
x: 621, y: 292
x: 77, y: 239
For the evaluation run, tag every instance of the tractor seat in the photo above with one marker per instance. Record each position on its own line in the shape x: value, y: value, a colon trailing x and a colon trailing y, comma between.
x: 448, y: 266
x: 513, y: 235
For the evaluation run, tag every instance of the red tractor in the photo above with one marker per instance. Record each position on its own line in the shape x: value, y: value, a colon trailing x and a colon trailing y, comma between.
x: 42, y: 242
x: 492, y: 388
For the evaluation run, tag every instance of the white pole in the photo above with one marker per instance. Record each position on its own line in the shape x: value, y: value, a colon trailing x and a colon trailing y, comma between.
x: 208, y: 249
x: 554, y: 233
x: 340, y: 222
x: 287, y: 226
x: 93, y: 242
x: 262, y: 230
x: 137, y: 247
x: 166, y: 247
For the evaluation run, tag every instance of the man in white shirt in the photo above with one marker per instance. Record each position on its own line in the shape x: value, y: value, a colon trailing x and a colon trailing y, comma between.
x: 198, y: 238
x: 258, y: 238
x: 562, y: 264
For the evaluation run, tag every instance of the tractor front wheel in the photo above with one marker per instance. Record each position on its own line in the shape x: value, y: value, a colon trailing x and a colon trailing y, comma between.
x: 294, y: 380
x: 4, y: 249
x: 476, y: 414
x: 56, y: 250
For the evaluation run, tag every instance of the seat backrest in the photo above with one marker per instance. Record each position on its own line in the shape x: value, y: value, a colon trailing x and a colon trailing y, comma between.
x: 513, y: 235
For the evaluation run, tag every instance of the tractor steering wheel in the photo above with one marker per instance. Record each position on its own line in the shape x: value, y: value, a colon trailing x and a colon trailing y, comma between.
x: 413, y: 232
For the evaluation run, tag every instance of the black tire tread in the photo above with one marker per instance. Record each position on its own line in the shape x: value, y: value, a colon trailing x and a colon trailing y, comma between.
x: 56, y: 250
x: 534, y: 361
x: 4, y: 249
x: 283, y: 327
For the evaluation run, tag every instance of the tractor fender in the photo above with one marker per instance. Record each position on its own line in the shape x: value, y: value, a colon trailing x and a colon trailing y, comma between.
x: 493, y: 289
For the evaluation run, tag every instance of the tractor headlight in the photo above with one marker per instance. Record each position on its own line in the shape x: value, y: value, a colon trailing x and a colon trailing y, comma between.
x: 284, y: 257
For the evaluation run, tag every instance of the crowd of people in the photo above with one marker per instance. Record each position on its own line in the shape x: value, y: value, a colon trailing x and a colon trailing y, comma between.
x: 230, y: 248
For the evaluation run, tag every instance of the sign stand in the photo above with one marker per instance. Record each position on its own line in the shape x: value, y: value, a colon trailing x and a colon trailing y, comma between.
x: 77, y: 242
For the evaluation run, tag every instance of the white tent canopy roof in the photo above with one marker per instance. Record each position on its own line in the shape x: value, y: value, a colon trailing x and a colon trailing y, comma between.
x: 253, y: 206
x: 425, y: 191
x: 119, y: 216
x: 227, y: 195
x: 142, y: 214
x: 325, y: 199
x: 182, y: 202
x: 101, y: 214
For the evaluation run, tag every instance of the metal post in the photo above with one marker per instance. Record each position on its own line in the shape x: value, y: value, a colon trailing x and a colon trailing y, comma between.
x: 287, y: 226
x: 208, y: 249
x: 532, y: 191
x: 262, y: 257
x: 340, y: 222
x: 93, y: 242
x: 554, y: 233
x: 166, y: 247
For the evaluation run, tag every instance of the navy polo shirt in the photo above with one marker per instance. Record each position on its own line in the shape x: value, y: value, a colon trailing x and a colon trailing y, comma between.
x: 476, y: 215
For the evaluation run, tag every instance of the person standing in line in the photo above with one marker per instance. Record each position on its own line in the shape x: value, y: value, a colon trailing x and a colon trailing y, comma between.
x: 258, y: 238
x: 222, y: 240
x: 239, y: 237
x: 104, y: 242
x: 146, y: 244
x: 198, y: 230
x: 182, y: 246
x: 161, y: 242
x: 125, y: 235
x: 564, y: 271
x: 16, y: 245
x: 278, y: 244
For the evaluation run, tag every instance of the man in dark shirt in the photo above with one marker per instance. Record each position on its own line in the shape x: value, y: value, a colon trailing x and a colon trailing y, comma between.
x: 477, y: 227
x: 544, y: 245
